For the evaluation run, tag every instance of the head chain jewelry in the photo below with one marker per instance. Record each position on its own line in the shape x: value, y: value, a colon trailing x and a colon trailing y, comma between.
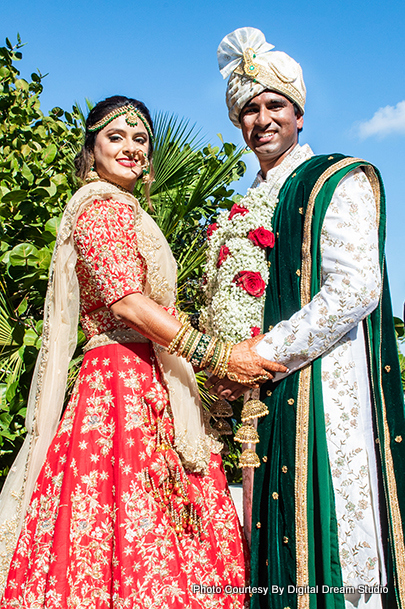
x: 131, y: 117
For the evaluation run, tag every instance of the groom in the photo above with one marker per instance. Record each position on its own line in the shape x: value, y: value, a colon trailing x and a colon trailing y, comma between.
x: 329, y: 496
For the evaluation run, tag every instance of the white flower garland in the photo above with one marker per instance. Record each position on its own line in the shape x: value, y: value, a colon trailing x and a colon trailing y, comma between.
x: 231, y: 312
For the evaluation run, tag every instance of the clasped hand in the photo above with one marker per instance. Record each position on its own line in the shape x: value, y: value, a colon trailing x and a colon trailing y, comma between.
x: 246, y: 366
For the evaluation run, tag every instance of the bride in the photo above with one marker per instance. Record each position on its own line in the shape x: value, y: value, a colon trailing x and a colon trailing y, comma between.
x: 123, y: 502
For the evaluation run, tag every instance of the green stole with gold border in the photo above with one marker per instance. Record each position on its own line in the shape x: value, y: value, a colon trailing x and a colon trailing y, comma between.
x: 294, y: 528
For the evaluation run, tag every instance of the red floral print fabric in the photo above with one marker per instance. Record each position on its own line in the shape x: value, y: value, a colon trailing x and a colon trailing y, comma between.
x: 109, y: 265
x: 96, y: 534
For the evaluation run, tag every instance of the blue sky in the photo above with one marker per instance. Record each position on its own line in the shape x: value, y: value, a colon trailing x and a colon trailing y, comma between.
x: 164, y: 53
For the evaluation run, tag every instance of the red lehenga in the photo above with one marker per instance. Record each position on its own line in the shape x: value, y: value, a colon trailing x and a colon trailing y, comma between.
x: 111, y: 520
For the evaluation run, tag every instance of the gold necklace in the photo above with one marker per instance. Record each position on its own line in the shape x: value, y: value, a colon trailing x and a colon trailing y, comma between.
x: 93, y: 176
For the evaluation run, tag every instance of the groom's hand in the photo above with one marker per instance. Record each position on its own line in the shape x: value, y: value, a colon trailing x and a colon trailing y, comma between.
x: 224, y: 388
x: 246, y: 365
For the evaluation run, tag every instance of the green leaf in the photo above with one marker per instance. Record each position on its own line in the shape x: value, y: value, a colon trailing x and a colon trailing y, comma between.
x: 59, y: 180
x: 39, y: 192
x: 22, y: 84
x: 5, y: 418
x: 22, y: 306
x: 20, y: 254
x: 44, y: 258
x: 50, y: 154
x: 30, y: 338
x: 14, y: 196
x: 27, y: 173
x: 52, y: 190
x: 399, y: 326
x: 52, y: 226
x: 11, y: 389
x: 57, y: 111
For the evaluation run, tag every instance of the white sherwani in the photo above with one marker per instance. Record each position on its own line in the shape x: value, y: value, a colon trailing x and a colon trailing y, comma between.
x: 330, y: 326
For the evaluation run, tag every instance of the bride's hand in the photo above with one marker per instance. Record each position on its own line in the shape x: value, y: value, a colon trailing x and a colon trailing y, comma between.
x: 245, y: 365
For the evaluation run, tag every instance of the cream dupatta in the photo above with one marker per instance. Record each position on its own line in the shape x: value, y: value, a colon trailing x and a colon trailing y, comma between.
x: 47, y: 392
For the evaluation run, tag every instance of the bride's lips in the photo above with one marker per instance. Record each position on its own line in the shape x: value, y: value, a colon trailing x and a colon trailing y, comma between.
x: 126, y: 162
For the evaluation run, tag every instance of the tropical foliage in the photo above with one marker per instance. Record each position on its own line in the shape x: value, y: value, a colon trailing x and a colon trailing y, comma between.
x: 400, y: 330
x: 36, y: 180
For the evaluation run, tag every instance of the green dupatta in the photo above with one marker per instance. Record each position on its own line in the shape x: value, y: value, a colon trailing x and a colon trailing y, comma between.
x: 294, y: 528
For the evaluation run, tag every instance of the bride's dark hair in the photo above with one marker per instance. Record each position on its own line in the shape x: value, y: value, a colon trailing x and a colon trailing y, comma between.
x: 84, y: 158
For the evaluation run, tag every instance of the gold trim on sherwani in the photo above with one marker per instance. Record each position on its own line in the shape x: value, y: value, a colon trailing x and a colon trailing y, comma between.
x: 293, y: 447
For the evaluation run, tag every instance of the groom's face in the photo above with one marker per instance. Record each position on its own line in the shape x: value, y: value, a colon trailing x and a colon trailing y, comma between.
x: 270, y: 128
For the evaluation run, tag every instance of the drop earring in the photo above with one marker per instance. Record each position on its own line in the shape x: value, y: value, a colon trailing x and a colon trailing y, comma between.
x: 146, y: 177
x: 92, y: 174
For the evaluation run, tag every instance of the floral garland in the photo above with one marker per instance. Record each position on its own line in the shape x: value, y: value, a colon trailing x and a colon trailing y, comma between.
x: 237, y: 273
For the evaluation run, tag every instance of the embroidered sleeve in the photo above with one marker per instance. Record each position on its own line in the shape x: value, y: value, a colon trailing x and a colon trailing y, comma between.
x: 107, y: 246
x: 351, y: 281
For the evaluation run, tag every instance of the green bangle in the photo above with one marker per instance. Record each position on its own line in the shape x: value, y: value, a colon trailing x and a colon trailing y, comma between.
x: 200, y: 350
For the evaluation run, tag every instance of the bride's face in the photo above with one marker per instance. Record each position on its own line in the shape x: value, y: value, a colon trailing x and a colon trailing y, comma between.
x: 120, y: 152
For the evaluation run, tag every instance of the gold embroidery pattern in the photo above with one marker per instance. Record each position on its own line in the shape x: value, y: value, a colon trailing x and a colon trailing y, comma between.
x: 306, y: 243
x: 121, y: 336
x: 301, y: 477
x: 398, y: 536
x: 302, y: 421
x: 270, y: 77
x: 392, y: 500
x: 109, y: 265
x: 14, y: 501
x: 107, y: 427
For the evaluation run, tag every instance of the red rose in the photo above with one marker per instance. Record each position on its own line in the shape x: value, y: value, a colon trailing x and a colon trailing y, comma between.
x: 237, y: 209
x: 211, y: 229
x: 223, y: 254
x: 262, y: 237
x: 251, y: 282
x: 255, y: 331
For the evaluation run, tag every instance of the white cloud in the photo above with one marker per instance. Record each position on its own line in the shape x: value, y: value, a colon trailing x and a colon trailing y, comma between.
x: 390, y: 119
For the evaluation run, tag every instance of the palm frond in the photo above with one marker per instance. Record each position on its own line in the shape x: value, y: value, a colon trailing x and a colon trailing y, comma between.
x: 209, y: 180
x: 10, y: 360
x: 176, y: 151
x: 191, y: 259
x: 81, y: 115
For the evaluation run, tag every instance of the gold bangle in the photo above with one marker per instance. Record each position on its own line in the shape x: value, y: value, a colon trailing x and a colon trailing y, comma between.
x: 209, y: 352
x: 222, y: 362
x: 179, y: 335
x: 216, y: 357
x: 183, y: 342
x: 194, y: 345
x: 227, y: 355
x: 220, y: 358
x: 225, y: 361
x: 187, y: 341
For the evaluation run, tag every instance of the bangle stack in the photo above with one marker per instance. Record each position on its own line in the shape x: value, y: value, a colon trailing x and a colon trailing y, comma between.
x: 202, y: 350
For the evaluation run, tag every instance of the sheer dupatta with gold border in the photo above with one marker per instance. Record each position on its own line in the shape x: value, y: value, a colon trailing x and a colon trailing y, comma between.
x: 61, y: 314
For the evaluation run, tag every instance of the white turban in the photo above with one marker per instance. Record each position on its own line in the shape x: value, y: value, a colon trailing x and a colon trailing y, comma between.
x: 253, y: 67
